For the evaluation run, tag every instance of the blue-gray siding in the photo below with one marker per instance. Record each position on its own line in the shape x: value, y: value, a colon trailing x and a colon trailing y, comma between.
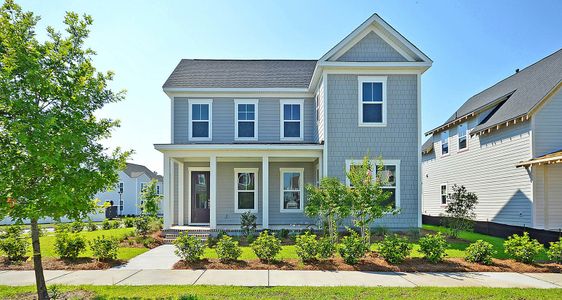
x: 398, y: 140
x: 372, y: 48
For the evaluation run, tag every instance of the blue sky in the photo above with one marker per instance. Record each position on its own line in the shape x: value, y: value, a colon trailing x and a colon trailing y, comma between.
x: 473, y: 45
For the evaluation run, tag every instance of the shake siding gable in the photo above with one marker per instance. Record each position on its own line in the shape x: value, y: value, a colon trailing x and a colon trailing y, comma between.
x: 372, y: 48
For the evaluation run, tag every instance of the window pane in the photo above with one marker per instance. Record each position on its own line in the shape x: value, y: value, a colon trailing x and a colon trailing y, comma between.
x: 246, y: 181
x: 377, y: 91
x: 250, y: 108
x: 367, y: 91
x: 291, y: 200
x: 204, y: 112
x: 296, y: 112
x: 292, y: 129
x: 291, y: 181
x: 445, y: 148
x: 388, y: 176
x: 287, y: 112
x: 245, y: 129
x: 200, y: 129
x: 462, y: 142
x: 392, y: 199
x: 245, y: 200
x: 241, y: 115
x: 372, y: 113
x: 196, y: 113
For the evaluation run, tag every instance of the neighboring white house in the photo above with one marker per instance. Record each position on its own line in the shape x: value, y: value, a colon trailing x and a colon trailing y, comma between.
x: 504, y: 144
x: 127, y: 195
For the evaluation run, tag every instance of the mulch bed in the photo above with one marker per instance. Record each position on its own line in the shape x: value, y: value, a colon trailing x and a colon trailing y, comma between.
x: 75, y: 294
x: 135, y: 241
x: 376, y: 264
x: 82, y: 263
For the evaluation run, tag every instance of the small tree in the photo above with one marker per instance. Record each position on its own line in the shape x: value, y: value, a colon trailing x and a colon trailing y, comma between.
x: 151, y: 199
x: 329, y: 203
x: 460, y: 210
x: 248, y: 223
x: 369, y: 200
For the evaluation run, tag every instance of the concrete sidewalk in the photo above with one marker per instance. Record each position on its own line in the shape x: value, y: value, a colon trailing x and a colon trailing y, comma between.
x: 285, y: 278
x: 159, y: 258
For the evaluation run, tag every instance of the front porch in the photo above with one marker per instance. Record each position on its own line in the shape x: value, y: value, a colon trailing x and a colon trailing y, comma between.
x: 208, y: 187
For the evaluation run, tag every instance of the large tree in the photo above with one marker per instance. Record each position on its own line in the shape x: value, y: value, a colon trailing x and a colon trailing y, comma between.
x: 51, y: 160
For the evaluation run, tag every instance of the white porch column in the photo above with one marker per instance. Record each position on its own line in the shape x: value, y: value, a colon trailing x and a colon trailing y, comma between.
x: 320, y: 169
x: 181, y: 199
x: 167, y: 203
x: 265, y: 191
x: 172, y: 192
x: 213, y: 193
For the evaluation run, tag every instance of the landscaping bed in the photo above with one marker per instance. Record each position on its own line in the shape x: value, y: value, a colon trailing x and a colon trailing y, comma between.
x: 52, y: 263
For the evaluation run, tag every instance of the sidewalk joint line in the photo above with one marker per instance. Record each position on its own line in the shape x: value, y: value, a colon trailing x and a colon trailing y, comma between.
x: 400, y: 274
x: 56, y: 277
x: 543, y: 280
x: 118, y: 282
x: 268, y: 278
x: 199, y: 277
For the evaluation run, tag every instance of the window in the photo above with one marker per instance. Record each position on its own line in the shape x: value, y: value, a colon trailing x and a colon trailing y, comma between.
x: 291, y: 119
x: 142, y: 186
x: 120, y: 188
x: 246, y: 112
x: 445, y: 142
x: 200, y: 119
x: 291, y: 190
x: 246, y: 190
x: 389, y: 176
x: 317, y: 103
x: 158, y: 189
x: 463, y: 143
x: 372, y: 101
x: 444, y: 194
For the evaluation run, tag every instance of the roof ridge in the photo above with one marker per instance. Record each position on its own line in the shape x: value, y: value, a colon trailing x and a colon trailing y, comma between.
x: 247, y: 59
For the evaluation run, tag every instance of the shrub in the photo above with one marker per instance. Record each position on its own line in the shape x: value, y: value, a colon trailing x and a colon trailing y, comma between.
x: 266, y: 246
x: 115, y: 224
x: 394, y: 248
x: 480, y: 252
x: 306, y: 246
x: 555, y: 251
x: 155, y: 224
x: 189, y: 248
x: 283, y: 234
x: 14, y: 243
x: 92, y: 226
x: 352, y: 248
x: 142, y: 225
x: 77, y: 226
x: 248, y: 223
x: 105, y: 225
x: 228, y: 249
x: 522, y: 248
x: 129, y: 222
x: 433, y: 247
x: 69, y: 245
x: 60, y: 227
x: 326, y: 248
x: 104, y: 248
x: 460, y: 210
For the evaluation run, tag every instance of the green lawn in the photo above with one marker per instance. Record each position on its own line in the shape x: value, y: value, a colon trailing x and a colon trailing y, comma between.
x: 48, y: 243
x: 234, y: 292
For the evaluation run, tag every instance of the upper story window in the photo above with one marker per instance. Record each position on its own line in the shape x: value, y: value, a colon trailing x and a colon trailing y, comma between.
x: 317, y: 103
x: 120, y: 188
x: 372, y: 101
x: 158, y: 189
x: 389, y: 177
x: 292, y: 190
x: 444, y: 194
x: 292, y: 120
x: 246, y: 190
x: 463, y: 142
x: 142, y: 186
x: 200, y: 119
x: 445, y: 142
x: 246, y: 115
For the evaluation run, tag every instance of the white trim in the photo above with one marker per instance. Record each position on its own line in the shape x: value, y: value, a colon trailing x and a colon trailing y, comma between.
x: 301, y: 189
x: 282, y: 121
x: 190, y: 120
x: 441, y: 194
x: 466, y: 136
x: 234, y: 147
x: 371, y: 79
x: 237, y: 171
x: 371, y: 71
x: 325, y: 153
x: 213, y: 192
x: 265, y: 191
x: 181, y: 194
x: 191, y: 169
x: 172, y: 189
x: 441, y: 143
x: 386, y: 162
x: 419, y: 139
x: 236, y: 90
x: 172, y: 119
x: 246, y: 101
x: 245, y: 95
x: 168, y: 217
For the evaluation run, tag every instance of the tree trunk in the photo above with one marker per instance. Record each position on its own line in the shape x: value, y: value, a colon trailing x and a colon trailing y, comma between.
x: 42, y: 292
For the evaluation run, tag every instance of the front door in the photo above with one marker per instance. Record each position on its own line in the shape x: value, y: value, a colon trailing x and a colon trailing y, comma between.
x: 200, y: 196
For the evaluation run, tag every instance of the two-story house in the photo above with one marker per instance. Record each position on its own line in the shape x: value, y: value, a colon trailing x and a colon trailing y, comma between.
x: 505, y: 145
x: 248, y: 135
x: 126, y: 196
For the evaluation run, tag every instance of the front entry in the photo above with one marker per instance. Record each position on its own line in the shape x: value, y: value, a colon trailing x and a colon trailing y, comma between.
x: 200, y: 212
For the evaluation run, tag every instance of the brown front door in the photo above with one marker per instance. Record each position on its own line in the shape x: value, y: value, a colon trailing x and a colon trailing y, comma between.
x: 200, y: 196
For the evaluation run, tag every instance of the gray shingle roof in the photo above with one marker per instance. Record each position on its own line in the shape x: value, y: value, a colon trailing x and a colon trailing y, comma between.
x: 219, y: 73
x: 134, y: 171
x: 529, y: 86
x: 428, y: 145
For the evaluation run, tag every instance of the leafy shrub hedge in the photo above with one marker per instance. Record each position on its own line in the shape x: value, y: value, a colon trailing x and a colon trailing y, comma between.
x: 228, y: 249
x: 394, y: 248
x: 106, y: 225
x: 433, y: 247
x: 142, y: 225
x: 480, y: 252
x: 104, y: 248
x: 14, y: 243
x: 555, y: 251
x: 77, y: 226
x: 352, y: 248
x: 266, y: 246
x: 522, y: 248
x: 306, y: 246
x: 326, y: 248
x: 92, y: 226
x: 189, y: 248
x: 69, y: 245
x: 129, y: 222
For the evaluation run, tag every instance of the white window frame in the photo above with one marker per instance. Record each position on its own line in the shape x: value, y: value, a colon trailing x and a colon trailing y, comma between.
x: 190, y: 121
x: 385, y: 162
x: 143, y: 185
x: 447, y: 142
x: 282, y: 119
x: 246, y: 101
x: 300, y: 190
x: 158, y: 189
x: 441, y: 194
x: 371, y: 79
x: 120, y: 187
x: 465, y: 136
x: 236, y: 190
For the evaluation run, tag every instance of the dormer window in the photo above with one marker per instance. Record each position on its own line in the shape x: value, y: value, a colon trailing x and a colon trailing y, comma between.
x: 372, y: 101
x: 200, y: 119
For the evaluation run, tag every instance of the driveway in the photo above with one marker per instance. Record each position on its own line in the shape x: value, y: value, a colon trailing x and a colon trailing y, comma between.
x: 159, y: 258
